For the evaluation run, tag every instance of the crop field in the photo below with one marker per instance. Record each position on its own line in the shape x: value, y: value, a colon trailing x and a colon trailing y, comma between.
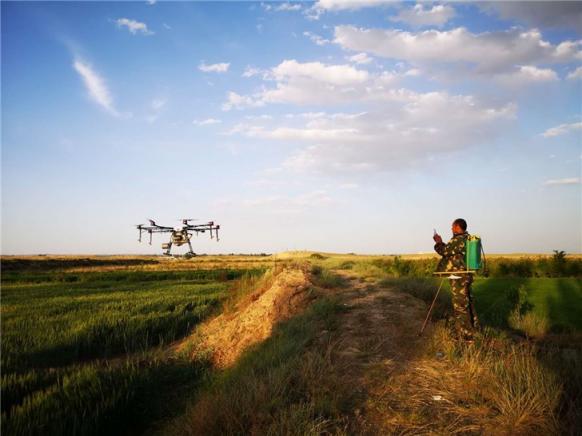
x: 87, y: 342
x: 78, y: 343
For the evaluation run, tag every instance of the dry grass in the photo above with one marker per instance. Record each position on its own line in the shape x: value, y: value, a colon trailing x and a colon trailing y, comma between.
x: 532, y: 324
x: 281, y: 386
x: 258, y: 307
x: 494, y: 387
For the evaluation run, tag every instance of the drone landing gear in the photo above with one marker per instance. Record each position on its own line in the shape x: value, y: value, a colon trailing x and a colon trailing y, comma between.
x: 167, y: 246
x: 191, y: 252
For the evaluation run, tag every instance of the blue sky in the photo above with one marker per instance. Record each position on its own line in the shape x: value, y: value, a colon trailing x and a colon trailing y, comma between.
x: 331, y: 125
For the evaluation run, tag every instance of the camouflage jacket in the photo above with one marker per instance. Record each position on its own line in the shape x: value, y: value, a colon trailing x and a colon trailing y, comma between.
x: 453, y: 253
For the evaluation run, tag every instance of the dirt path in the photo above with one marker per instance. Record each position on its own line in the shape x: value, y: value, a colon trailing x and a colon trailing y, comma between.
x: 377, y: 338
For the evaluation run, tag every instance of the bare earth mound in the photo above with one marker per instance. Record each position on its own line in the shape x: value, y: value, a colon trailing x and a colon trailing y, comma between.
x: 228, y: 335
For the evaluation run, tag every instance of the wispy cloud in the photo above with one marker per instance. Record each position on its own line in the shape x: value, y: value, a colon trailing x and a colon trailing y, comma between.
x: 576, y: 74
x: 319, y: 40
x: 565, y: 181
x: 562, y: 129
x: 206, y: 122
x: 214, y: 68
x: 157, y: 106
x: 95, y: 86
x: 133, y: 26
x: 360, y: 58
x: 287, y: 7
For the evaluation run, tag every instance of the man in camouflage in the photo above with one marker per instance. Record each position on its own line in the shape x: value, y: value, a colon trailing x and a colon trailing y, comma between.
x: 453, y: 259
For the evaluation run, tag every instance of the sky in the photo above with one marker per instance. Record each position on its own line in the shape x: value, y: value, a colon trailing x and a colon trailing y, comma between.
x: 336, y: 125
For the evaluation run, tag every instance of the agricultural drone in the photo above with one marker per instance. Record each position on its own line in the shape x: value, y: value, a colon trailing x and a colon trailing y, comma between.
x: 179, y: 235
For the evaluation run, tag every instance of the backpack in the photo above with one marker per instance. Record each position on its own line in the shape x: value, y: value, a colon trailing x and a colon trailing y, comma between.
x: 473, y: 250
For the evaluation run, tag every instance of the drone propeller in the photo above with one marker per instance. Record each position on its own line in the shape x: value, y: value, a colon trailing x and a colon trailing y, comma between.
x: 152, y: 222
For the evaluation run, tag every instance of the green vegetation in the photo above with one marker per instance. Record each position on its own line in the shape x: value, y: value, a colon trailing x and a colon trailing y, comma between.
x: 78, y: 355
x: 557, y: 300
x: 558, y: 265
x: 119, y: 398
x: 534, y: 306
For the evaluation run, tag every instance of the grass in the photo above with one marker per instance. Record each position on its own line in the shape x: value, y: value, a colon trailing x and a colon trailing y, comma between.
x: 285, y: 385
x: 522, y: 387
x: 79, y: 356
x: 82, y: 350
x: 480, y: 388
x: 47, y: 325
x: 556, y: 300
x: 98, y: 399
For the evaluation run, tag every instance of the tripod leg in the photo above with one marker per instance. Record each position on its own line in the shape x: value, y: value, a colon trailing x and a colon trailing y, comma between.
x: 430, y: 309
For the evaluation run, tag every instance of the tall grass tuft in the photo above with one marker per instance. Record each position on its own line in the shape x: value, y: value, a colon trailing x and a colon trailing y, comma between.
x: 525, y: 393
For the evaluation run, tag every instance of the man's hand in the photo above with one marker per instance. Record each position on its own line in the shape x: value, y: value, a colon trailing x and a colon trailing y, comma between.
x: 437, y: 238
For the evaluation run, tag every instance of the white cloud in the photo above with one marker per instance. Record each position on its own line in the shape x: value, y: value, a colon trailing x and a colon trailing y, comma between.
x: 151, y: 2
x: 286, y: 7
x: 319, y: 83
x: 133, y: 26
x: 527, y: 74
x: 157, y: 105
x: 290, y: 204
x: 95, y: 86
x: 576, y: 74
x: 413, y: 72
x: 341, y: 5
x: 389, y: 136
x: 484, y: 52
x: 237, y: 101
x: 214, y: 68
x: 419, y: 16
x: 360, y: 58
x: 562, y: 129
x: 566, y: 181
x: 331, y: 74
x: 206, y: 122
x: 322, y: 6
x: 251, y: 71
x: 319, y: 40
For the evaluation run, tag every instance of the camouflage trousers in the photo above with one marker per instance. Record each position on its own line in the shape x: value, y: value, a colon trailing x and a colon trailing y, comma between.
x: 464, y: 315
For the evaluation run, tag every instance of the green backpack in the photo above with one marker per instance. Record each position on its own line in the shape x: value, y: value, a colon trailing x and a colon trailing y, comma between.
x: 473, y: 250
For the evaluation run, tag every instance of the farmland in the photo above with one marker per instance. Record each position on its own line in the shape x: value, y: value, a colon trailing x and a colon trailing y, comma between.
x: 88, y: 343
x: 80, y: 335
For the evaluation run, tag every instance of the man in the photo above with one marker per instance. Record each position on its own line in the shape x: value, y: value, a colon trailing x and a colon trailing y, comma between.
x: 453, y: 259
